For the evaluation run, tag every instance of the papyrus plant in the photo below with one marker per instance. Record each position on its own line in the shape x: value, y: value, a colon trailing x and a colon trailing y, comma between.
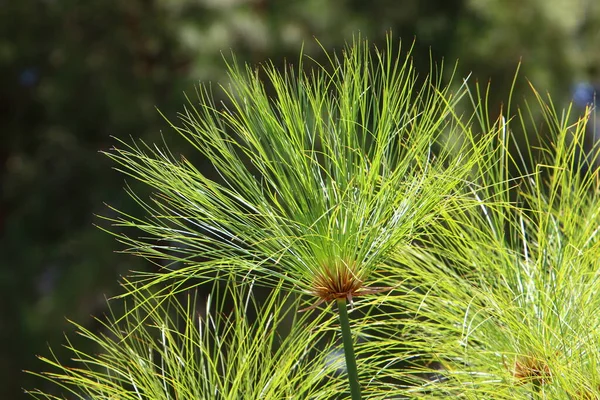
x: 508, y: 300
x: 191, y: 347
x: 317, y: 173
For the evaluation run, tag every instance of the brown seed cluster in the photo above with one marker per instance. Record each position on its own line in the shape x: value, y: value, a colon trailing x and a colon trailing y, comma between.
x: 530, y: 369
x: 339, y: 280
x: 336, y: 282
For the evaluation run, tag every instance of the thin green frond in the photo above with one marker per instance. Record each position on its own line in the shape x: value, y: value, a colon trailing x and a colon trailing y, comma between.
x: 191, y: 348
x: 321, y: 172
x: 504, y: 294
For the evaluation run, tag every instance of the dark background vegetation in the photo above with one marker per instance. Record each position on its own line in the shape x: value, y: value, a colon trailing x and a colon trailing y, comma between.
x: 74, y: 73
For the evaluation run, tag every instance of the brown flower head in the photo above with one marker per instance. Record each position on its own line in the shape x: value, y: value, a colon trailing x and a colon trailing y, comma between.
x: 340, y: 280
x: 531, y: 369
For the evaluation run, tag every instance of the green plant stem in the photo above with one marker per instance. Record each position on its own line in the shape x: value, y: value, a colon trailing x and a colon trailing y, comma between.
x: 537, y: 390
x: 349, y: 350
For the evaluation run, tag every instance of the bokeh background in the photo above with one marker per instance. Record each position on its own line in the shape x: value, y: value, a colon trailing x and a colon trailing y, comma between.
x: 74, y: 73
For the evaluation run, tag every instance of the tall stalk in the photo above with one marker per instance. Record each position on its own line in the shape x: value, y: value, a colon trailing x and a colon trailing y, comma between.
x: 349, y: 350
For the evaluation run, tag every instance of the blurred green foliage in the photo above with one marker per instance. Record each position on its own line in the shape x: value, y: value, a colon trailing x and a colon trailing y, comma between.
x: 74, y: 73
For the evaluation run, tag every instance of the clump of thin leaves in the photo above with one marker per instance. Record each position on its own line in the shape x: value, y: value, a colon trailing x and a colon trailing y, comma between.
x: 504, y: 293
x: 348, y: 179
x: 318, y: 174
x: 184, y: 347
x: 322, y: 171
